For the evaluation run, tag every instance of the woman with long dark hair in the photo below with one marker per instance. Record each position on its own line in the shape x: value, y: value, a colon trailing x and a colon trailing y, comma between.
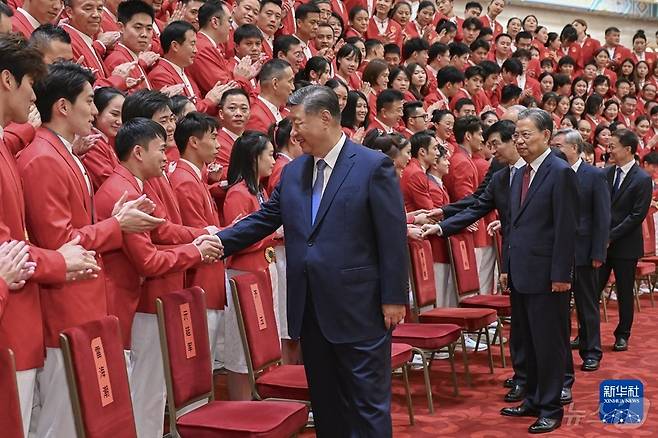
x: 316, y: 71
x: 252, y: 161
x: 348, y: 60
x: 101, y: 159
x: 355, y: 116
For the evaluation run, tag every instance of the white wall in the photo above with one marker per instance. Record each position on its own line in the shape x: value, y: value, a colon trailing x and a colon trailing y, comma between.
x: 555, y: 18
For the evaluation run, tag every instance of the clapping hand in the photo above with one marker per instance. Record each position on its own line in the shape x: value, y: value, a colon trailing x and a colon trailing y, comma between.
x: 132, y: 218
x: 15, y: 269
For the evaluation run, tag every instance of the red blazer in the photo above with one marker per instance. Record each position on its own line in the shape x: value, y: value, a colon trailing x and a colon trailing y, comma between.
x: 100, y: 162
x: 461, y: 94
x: 109, y: 22
x: 349, y: 4
x: 210, y: 65
x: 439, y: 245
x: 415, y: 187
x: 496, y: 27
x: 17, y: 136
x: 21, y: 327
x: 240, y: 203
x: 198, y: 210
x: 411, y: 31
x: 120, y: 55
x: 275, y: 177
x: 58, y: 208
x: 587, y: 49
x: 93, y: 59
x: 340, y: 8
x: 171, y: 232
x: 261, y: 118
x: 620, y: 54
x: 138, y: 257
x: 534, y: 85
x: 225, y: 148
x: 163, y: 74
x: 393, y: 28
x: 649, y: 57
x: 463, y: 177
x: 20, y: 24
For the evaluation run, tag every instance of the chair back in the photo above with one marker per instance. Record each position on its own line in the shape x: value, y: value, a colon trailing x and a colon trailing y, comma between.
x: 183, y: 327
x: 252, y: 296
x: 11, y: 422
x: 97, y: 378
x: 649, y: 236
x: 463, y: 265
x: 423, y: 285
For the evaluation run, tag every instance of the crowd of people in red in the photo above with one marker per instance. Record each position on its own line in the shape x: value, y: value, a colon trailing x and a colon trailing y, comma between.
x: 119, y: 224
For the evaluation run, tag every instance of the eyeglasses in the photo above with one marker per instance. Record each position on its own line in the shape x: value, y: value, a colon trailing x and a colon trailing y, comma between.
x: 526, y: 135
x: 424, y: 116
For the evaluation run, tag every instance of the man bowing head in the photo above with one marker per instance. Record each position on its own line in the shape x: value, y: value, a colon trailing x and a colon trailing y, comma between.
x: 343, y: 215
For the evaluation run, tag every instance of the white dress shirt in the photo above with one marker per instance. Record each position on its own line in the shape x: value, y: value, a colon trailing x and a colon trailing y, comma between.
x: 624, y: 171
x: 69, y: 147
x: 330, y: 159
x: 305, y: 48
x: 30, y: 19
x: 577, y: 164
x: 534, y: 166
x: 273, y: 109
x: 382, y: 25
x: 514, y: 168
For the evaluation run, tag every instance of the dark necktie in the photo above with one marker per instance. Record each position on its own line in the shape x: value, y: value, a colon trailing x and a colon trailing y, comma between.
x: 617, y: 183
x: 525, y: 182
x: 318, y: 185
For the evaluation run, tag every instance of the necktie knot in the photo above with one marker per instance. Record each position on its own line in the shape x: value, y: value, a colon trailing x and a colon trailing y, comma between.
x: 320, y: 165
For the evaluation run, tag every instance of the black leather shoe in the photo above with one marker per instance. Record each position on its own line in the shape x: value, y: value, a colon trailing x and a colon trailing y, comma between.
x: 516, y: 394
x: 565, y: 397
x: 621, y: 344
x: 590, y: 365
x: 519, y: 411
x: 508, y: 383
x: 544, y: 425
x: 575, y: 344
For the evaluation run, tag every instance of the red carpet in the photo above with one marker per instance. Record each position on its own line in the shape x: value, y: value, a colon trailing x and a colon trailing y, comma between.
x: 475, y: 412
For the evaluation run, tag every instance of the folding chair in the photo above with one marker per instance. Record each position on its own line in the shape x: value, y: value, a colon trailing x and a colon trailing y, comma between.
x: 183, y: 326
x: 11, y: 422
x: 426, y: 339
x: 650, y: 258
x: 269, y: 378
x: 97, y: 378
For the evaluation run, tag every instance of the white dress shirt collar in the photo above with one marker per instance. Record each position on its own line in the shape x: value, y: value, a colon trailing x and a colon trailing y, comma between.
x: 140, y: 183
x: 30, y: 19
x: 69, y: 147
x: 519, y: 164
x: 196, y: 170
x: 626, y: 167
x: 231, y: 135
x: 577, y: 164
x: 273, y: 109
x: 332, y: 155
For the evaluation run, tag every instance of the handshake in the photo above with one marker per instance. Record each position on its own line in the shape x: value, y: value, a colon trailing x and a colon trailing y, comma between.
x: 209, y: 246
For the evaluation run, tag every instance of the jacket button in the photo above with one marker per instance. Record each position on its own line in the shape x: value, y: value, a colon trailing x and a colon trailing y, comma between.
x: 310, y: 243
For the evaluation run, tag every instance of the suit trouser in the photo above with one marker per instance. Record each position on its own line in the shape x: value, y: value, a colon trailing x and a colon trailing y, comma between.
x: 56, y: 416
x: 350, y: 384
x: 544, y: 318
x: 586, y: 295
x: 624, y: 270
x: 26, y: 381
x: 516, y: 342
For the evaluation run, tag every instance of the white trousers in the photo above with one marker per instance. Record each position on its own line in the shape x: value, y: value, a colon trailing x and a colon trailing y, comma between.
x: 27, y: 381
x: 217, y: 345
x: 282, y: 290
x: 485, y: 258
x: 234, y: 355
x: 445, y: 293
x: 56, y: 416
x: 147, y: 383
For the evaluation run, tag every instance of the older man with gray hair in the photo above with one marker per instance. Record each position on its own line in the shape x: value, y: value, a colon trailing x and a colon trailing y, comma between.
x: 342, y: 209
x: 591, y: 243
x: 542, y: 230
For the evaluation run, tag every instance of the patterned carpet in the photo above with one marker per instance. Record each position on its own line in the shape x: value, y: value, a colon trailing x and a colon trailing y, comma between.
x: 475, y: 412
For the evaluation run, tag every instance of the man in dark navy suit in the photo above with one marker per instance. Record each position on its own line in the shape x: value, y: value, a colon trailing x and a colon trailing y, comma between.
x: 591, y: 245
x: 539, y: 260
x: 630, y: 188
x: 342, y: 212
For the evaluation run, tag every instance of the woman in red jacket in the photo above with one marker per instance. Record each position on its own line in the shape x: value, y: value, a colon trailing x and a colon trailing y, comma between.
x: 252, y: 160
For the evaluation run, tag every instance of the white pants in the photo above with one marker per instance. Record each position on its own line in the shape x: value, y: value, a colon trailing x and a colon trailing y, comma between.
x: 27, y: 381
x: 234, y: 355
x: 282, y: 290
x: 217, y: 346
x: 56, y: 416
x: 215, y: 331
x: 445, y: 293
x: 485, y: 258
x: 147, y: 383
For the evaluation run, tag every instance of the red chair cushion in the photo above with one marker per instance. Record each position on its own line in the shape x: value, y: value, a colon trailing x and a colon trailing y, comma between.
x: 426, y: 336
x: 186, y: 329
x: 243, y: 419
x: 285, y: 381
x: 501, y: 303
x: 11, y: 423
x: 400, y: 354
x: 254, y: 292
x: 422, y: 273
x: 644, y: 268
x: 470, y: 319
x: 99, y: 367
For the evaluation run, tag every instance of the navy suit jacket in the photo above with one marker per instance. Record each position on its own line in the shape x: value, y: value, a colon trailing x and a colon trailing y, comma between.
x: 353, y: 258
x: 593, y: 215
x: 495, y: 195
x: 629, y: 208
x: 542, y: 230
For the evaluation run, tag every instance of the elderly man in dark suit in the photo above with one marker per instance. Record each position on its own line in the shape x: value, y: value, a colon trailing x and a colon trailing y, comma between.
x: 343, y: 215
x: 539, y: 258
x: 631, y: 189
x: 591, y: 244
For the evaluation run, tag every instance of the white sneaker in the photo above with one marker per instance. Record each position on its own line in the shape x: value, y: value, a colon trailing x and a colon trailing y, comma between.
x: 470, y: 344
x: 613, y: 296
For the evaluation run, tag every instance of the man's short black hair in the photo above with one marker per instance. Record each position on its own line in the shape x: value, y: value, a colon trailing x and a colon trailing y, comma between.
x: 463, y: 125
x: 458, y: 49
x: 410, y: 108
x: 175, y: 31
x: 194, y: 124
x: 513, y: 65
x: 64, y: 80
x: 304, y: 9
x: 213, y: 8
x: 449, y: 75
x: 505, y: 128
x: 509, y: 93
x: 414, y: 45
x: 284, y: 43
x: 128, y: 9
x: 233, y: 92
x: 246, y: 31
x: 272, y: 69
x: 435, y: 50
x: 387, y: 97
x: 627, y: 138
x: 144, y: 103
x: 137, y: 131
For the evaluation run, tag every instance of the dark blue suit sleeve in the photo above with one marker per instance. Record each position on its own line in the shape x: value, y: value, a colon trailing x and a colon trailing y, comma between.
x: 639, y: 211
x: 254, y: 227
x: 389, y: 221
x: 600, y: 216
x: 565, y: 220
x: 482, y: 205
